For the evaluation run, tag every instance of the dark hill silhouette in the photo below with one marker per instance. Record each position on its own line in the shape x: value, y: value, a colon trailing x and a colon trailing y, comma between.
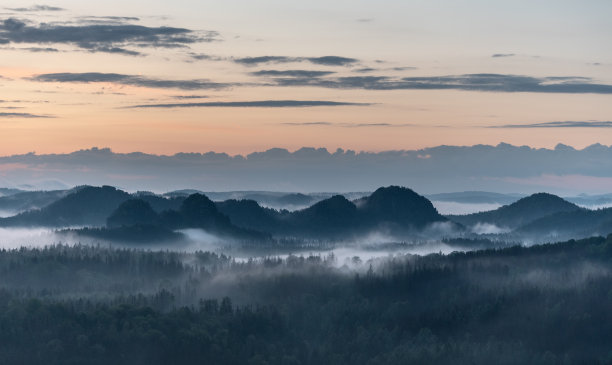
x: 249, y: 214
x: 160, y: 203
x: 519, y: 213
x: 197, y: 211
x: 333, y: 216
x: 86, y: 206
x: 395, y: 209
x: 400, y: 206
x: 133, y: 212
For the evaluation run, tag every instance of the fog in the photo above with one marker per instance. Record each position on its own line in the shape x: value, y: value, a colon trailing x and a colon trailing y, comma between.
x: 11, y: 238
x: 487, y: 228
x: 456, y: 208
x: 7, y: 213
x: 596, y: 206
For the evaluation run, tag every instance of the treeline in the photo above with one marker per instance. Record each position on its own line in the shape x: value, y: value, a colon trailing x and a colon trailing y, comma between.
x: 546, y: 304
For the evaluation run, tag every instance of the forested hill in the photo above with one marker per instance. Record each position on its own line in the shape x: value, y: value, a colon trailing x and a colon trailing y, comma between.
x: 519, y: 213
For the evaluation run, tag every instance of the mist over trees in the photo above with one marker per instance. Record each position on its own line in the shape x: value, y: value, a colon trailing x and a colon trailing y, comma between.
x: 98, y: 305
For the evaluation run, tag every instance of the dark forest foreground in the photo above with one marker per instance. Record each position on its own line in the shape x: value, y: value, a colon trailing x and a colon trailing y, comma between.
x: 548, y: 304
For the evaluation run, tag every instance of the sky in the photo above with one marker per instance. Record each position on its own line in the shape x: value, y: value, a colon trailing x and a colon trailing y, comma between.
x: 241, y: 76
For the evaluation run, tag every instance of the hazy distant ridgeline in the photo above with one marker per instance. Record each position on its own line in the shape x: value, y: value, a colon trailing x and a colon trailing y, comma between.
x: 395, y: 210
x: 438, y: 169
x: 393, y: 213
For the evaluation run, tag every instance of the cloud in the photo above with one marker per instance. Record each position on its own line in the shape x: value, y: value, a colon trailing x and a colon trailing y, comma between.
x: 307, y: 123
x: 106, y: 19
x: 325, y: 60
x: 181, y: 97
x: 567, y: 124
x: 40, y: 49
x: 37, y: 8
x: 503, y: 168
x: 265, y: 59
x: 199, y: 56
x: 364, y: 70
x: 365, y: 20
x: 332, y: 60
x: 292, y: 73
x: 110, y: 35
x: 499, y: 55
x: 23, y: 115
x: 348, y: 125
x: 468, y: 82
x: 130, y: 80
x: 252, y: 104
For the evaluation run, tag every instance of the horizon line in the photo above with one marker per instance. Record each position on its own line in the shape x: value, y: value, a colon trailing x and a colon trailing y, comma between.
x: 558, y: 146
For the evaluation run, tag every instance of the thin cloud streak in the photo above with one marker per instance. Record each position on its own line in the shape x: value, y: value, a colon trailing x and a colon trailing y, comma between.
x: 130, y: 80
x: 467, y: 82
x: 349, y: 125
x: 325, y: 60
x: 566, y: 124
x: 24, y: 115
x: 291, y: 73
x: 36, y: 8
x: 251, y: 104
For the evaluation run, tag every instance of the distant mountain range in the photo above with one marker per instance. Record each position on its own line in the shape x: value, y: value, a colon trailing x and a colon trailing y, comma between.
x: 542, y: 217
x: 110, y: 211
x: 112, y: 214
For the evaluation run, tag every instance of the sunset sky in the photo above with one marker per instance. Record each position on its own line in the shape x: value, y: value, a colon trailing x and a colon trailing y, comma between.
x: 240, y: 76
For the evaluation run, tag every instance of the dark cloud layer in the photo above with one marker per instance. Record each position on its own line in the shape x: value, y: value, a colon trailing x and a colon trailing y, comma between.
x: 292, y: 73
x: 325, y: 60
x: 500, y: 55
x: 131, y: 80
x: 189, y: 97
x: 566, y: 124
x: 468, y: 82
x: 23, y: 115
x: 251, y: 104
x: 112, y: 37
x: 501, y: 168
x: 36, y: 8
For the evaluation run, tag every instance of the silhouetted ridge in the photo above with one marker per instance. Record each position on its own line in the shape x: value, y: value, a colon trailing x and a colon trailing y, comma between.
x: 395, y: 204
x: 198, y: 211
x: 133, y: 212
x: 160, y: 203
x: 249, y: 214
x: 86, y: 206
x: 328, y: 218
x: 521, y: 212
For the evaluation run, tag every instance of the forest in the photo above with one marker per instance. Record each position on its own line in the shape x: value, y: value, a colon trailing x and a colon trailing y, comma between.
x: 544, y: 304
